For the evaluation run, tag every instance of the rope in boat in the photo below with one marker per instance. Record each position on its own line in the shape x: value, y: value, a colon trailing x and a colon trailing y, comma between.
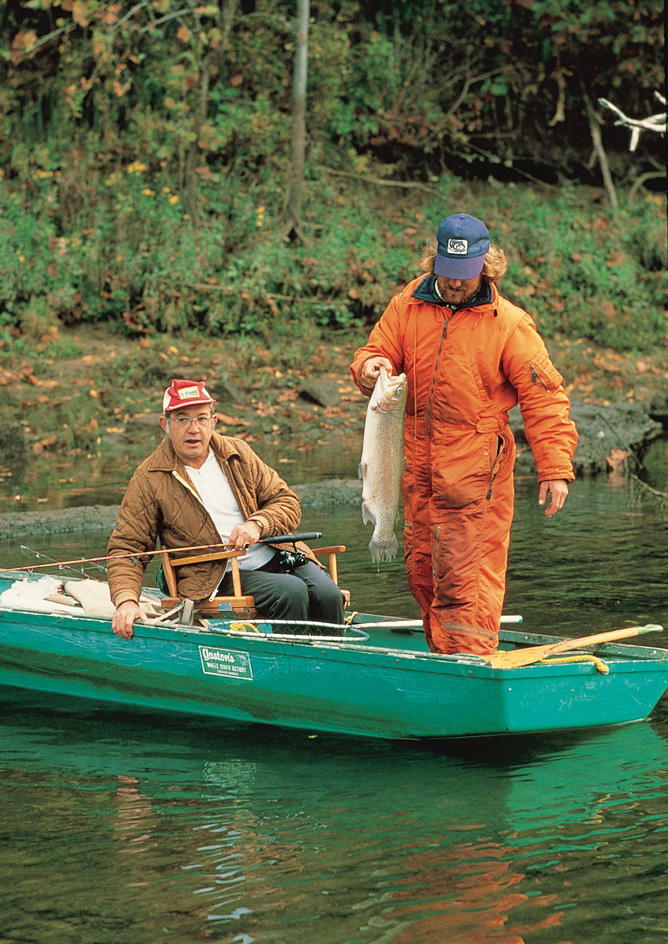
x: 599, y: 664
x: 328, y: 630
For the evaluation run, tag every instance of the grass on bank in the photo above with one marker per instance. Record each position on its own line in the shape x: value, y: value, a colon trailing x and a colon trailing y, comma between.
x: 107, y: 292
x: 122, y: 252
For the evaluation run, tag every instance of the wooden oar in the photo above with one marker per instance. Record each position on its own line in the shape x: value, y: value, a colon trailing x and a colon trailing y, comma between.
x: 515, y: 658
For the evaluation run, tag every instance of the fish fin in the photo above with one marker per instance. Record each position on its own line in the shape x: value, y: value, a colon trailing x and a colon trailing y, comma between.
x: 361, y: 470
x: 367, y: 514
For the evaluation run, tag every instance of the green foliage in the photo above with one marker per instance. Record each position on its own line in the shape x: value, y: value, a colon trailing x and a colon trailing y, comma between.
x: 626, y: 37
x: 146, y: 148
x: 193, y: 87
x: 133, y: 257
x: 595, y: 275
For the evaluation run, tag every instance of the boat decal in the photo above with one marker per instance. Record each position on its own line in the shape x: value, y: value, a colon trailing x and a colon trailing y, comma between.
x: 226, y: 662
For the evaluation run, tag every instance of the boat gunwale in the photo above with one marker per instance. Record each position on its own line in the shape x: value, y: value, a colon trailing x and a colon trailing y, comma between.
x: 623, y: 657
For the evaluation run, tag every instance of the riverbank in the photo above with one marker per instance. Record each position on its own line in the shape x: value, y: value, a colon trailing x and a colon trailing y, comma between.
x: 103, y: 517
x: 79, y: 411
x: 611, y: 439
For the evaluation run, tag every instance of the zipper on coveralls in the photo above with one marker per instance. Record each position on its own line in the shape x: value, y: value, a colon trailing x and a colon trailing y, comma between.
x: 497, y: 459
x: 433, y: 380
x: 535, y: 378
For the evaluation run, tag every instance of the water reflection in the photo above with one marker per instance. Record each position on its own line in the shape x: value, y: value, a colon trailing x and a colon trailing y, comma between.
x: 100, y: 477
x: 191, y: 830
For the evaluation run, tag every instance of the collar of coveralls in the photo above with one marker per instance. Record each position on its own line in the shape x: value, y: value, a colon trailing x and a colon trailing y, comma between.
x: 426, y: 292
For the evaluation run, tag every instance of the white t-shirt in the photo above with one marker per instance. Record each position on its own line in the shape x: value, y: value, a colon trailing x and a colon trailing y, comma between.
x: 218, y: 498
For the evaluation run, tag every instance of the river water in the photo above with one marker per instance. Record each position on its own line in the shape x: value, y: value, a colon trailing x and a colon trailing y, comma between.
x: 128, y: 828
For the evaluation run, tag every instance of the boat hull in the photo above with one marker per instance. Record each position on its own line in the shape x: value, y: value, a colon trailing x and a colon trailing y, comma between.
x: 388, y: 686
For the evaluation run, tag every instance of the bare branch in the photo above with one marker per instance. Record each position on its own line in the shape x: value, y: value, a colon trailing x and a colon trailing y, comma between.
x: 560, y: 113
x: 656, y: 123
x: 600, y: 152
x: 43, y: 40
x: 378, y: 181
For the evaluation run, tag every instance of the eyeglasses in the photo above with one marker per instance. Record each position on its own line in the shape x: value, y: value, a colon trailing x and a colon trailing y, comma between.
x: 183, y: 422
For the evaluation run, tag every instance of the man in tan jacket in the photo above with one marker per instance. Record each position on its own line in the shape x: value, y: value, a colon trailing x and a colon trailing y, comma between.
x: 200, y: 488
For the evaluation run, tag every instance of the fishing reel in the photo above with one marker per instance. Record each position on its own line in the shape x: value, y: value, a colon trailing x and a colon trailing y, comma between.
x: 288, y: 560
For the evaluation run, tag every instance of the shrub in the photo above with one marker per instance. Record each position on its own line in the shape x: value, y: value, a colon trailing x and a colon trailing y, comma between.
x: 128, y: 253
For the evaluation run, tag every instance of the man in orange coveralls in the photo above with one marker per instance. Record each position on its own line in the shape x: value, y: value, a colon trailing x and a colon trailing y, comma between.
x: 470, y: 356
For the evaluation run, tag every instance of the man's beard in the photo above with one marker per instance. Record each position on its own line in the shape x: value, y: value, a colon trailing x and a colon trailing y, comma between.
x: 457, y: 296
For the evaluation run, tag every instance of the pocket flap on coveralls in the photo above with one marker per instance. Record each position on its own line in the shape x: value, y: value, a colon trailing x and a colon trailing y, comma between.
x: 545, y: 373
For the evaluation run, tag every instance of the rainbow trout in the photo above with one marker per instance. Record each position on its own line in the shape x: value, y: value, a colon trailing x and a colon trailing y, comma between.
x: 382, y: 463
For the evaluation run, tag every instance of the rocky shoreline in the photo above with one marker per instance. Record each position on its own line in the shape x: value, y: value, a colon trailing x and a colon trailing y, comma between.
x: 103, y: 517
x: 609, y: 437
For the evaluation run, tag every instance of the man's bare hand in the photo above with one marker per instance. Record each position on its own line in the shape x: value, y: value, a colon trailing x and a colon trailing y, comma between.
x: 558, y: 492
x: 370, y: 369
x: 122, y: 622
x: 244, y: 535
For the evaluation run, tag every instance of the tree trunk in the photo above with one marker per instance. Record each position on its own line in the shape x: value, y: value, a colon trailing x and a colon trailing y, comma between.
x: 600, y: 152
x: 193, y: 156
x: 293, y: 202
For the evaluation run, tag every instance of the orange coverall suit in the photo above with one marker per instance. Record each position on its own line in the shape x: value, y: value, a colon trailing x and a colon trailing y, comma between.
x: 466, y: 369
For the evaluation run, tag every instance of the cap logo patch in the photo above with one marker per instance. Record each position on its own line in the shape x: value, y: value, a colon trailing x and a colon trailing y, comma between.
x: 187, y: 393
x: 458, y: 247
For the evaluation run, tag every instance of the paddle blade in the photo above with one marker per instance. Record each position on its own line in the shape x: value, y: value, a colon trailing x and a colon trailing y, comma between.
x: 518, y: 657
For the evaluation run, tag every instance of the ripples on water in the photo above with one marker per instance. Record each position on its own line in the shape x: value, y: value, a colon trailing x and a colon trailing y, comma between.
x: 124, y: 827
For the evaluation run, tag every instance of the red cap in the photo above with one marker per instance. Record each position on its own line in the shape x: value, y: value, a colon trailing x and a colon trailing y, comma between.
x: 184, y: 393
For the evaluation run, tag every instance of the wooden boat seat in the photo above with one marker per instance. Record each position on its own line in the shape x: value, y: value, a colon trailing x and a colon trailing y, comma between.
x: 238, y: 603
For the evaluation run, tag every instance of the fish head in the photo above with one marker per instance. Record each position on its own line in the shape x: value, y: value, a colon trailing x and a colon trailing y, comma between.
x: 390, y: 392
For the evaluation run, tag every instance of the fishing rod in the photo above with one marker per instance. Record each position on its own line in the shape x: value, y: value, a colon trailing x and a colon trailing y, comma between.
x: 278, y: 539
x: 30, y: 552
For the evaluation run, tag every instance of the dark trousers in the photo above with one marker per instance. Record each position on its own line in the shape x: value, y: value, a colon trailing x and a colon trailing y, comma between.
x: 307, y: 592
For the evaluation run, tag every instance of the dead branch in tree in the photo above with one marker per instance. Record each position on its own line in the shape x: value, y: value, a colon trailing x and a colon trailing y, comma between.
x: 656, y: 123
x: 378, y: 181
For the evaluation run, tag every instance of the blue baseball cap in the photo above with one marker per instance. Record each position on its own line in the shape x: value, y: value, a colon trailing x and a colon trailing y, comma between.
x: 463, y: 241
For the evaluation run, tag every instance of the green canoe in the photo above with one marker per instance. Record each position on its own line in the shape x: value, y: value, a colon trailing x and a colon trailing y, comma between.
x: 370, y: 680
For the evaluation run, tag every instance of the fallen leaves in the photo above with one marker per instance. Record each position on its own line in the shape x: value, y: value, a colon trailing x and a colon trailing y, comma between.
x: 68, y: 396
x: 44, y: 445
x: 615, y: 259
x: 231, y: 420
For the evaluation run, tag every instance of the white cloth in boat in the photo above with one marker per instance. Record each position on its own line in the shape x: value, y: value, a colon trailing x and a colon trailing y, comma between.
x: 28, y: 594
x: 93, y: 595
x: 218, y: 499
x: 45, y: 594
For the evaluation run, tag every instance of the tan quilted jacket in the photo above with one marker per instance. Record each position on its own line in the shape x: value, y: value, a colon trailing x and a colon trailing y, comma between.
x: 162, y: 503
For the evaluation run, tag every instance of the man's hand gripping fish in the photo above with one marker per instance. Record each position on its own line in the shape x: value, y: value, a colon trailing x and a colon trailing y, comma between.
x: 382, y: 462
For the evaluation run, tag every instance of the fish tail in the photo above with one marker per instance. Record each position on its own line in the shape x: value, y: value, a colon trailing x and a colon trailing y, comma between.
x: 386, y: 551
